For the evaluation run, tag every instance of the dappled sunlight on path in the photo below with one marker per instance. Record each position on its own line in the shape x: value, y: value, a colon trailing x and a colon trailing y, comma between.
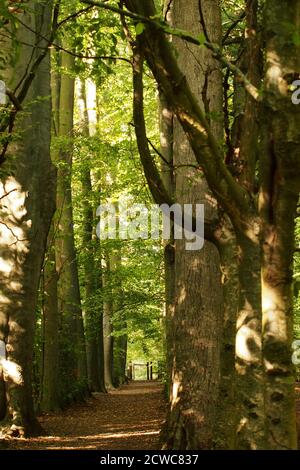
x: 128, y: 418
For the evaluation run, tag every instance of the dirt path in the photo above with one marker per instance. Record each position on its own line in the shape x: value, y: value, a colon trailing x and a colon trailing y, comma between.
x: 126, y: 419
x: 129, y: 418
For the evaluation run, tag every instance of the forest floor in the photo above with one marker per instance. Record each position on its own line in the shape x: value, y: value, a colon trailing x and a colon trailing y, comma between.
x: 129, y: 418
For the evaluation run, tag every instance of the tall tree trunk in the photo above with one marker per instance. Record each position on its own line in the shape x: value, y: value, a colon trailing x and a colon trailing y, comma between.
x: 92, y: 313
x: 280, y: 169
x: 107, y: 324
x: 27, y: 205
x: 226, y: 416
x: 49, y: 395
x: 119, y: 322
x: 100, y: 340
x: 196, y: 322
x: 242, y: 159
x: 68, y: 285
x: 167, y: 174
x: 249, y: 381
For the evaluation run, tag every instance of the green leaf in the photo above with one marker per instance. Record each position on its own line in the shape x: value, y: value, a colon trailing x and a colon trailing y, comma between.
x: 139, y: 29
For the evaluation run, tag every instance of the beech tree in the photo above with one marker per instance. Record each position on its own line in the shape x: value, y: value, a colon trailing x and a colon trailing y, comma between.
x: 27, y: 193
x: 240, y: 203
x: 189, y: 376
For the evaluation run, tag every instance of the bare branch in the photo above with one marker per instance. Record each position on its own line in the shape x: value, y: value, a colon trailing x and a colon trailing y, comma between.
x: 157, y: 188
x: 232, y: 26
x: 73, y: 16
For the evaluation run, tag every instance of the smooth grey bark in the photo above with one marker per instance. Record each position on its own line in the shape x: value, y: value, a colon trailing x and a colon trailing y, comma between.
x: 27, y: 199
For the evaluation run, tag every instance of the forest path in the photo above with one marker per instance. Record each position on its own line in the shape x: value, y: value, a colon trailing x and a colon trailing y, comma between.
x: 128, y: 418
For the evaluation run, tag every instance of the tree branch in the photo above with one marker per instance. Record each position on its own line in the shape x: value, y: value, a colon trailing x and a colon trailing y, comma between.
x: 232, y: 26
x: 73, y: 16
x: 155, y: 183
x: 159, y: 54
x: 162, y: 26
x: 152, y: 174
x: 14, y: 99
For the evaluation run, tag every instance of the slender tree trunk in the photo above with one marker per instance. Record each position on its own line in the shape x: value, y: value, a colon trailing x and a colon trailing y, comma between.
x: 49, y: 397
x: 27, y: 205
x: 243, y: 151
x: 167, y: 174
x: 100, y: 341
x: 120, y: 358
x: 68, y: 286
x: 119, y: 322
x: 92, y: 319
x: 50, y: 383
x: 107, y: 325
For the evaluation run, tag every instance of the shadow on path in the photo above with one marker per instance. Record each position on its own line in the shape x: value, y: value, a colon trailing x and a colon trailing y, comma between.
x: 129, y: 418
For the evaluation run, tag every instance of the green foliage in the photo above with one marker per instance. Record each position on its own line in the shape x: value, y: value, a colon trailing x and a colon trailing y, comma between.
x: 112, y: 158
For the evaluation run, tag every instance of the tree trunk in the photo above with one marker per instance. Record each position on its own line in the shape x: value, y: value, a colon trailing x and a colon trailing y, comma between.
x: 92, y: 312
x: 196, y: 322
x: 49, y: 395
x: 120, y: 358
x: 119, y: 322
x: 167, y: 174
x: 107, y: 325
x: 226, y: 416
x: 27, y: 205
x: 74, y: 363
x: 280, y: 169
x: 50, y: 399
x: 249, y: 381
